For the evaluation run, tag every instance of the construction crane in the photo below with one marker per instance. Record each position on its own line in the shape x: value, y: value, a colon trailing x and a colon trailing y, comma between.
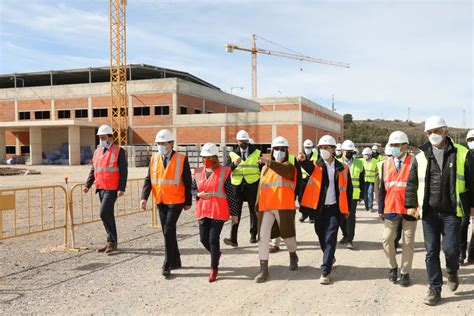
x: 254, y: 51
x: 118, y: 71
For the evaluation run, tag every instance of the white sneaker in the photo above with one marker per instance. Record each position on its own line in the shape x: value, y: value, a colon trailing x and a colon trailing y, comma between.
x: 324, y: 280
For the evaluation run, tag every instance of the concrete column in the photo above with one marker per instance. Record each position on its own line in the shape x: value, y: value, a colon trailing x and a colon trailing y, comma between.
x: 53, y: 112
x: 74, y: 140
x: 176, y: 140
x: 203, y: 106
x: 2, y: 145
x: 174, y: 108
x: 274, y: 131
x: 36, y: 146
x: 89, y: 109
x: 300, y: 137
x: 16, y: 111
x: 223, y: 143
x: 130, y: 118
x: 17, y: 145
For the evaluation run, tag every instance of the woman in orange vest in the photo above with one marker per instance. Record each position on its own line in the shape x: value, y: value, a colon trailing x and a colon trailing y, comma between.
x: 169, y: 178
x: 327, y: 194
x: 109, y: 172
x: 276, y: 205
x: 215, y: 203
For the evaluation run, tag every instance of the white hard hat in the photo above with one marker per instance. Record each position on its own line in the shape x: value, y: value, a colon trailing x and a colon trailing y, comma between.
x: 388, y: 150
x: 338, y: 146
x: 280, y: 142
x: 251, y: 141
x: 367, y: 151
x: 356, y: 150
x: 433, y: 122
x: 105, y: 130
x: 164, y: 136
x: 327, y: 140
x: 308, y: 143
x: 242, y: 135
x: 398, y: 137
x: 375, y: 147
x: 209, y: 149
x: 470, y: 134
x: 348, y: 145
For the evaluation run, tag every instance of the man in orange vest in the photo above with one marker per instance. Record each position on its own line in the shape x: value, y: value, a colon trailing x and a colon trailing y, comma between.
x: 109, y: 172
x: 327, y: 194
x: 393, y: 182
x: 169, y: 177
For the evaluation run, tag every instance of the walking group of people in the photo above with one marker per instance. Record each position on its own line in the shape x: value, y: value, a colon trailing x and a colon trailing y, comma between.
x: 327, y: 180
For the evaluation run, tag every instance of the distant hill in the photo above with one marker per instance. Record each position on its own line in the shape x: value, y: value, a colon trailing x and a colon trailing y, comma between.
x: 378, y: 131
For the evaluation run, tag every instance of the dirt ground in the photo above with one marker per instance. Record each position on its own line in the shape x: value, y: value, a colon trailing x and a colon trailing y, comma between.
x: 37, y: 277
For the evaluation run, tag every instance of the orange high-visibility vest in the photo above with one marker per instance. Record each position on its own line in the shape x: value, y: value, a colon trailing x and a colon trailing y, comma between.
x: 217, y: 207
x: 312, y: 191
x: 106, y: 168
x: 167, y: 185
x: 395, y: 185
x: 276, y: 192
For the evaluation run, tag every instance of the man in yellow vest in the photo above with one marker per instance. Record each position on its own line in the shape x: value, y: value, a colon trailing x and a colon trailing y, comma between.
x: 370, y: 168
x: 438, y: 188
x: 245, y: 178
x: 109, y: 172
x: 169, y: 178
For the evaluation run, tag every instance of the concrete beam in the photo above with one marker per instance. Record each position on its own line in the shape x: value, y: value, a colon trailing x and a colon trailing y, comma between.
x: 36, y: 146
x: 2, y: 145
x: 74, y: 140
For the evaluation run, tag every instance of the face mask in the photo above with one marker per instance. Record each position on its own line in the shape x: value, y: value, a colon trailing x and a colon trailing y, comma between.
x: 338, y: 152
x: 208, y: 163
x: 435, y: 139
x: 162, y: 149
x: 396, y: 151
x: 279, y: 155
x: 244, y: 146
x: 349, y: 155
x: 471, y: 144
x: 366, y: 157
x: 325, y: 154
x: 103, y: 143
x: 308, y: 151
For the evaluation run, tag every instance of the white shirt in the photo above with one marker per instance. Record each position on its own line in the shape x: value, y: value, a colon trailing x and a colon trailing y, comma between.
x: 331, y: 193
x: 244, y: 153
x: 396, y: 160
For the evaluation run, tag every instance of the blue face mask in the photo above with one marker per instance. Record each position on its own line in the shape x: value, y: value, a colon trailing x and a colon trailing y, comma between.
x: 279, y: 155
x: 103, y: 143
x: 162, y: 149
x: 396, y: 152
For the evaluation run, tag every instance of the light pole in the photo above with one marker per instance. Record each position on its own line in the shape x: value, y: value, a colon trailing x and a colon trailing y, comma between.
x: 281, y: 93
x: 232, y: 89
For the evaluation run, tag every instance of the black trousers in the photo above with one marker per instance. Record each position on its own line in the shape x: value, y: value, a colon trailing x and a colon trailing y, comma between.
x: 348, y: 224
x: 326, y: 226
x: 107, y: 203
x: 210, y: 233
x: 251, y: 197
x: 169, y: 215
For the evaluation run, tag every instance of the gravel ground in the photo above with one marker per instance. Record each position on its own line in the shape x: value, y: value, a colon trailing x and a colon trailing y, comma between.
x: 36, y: 276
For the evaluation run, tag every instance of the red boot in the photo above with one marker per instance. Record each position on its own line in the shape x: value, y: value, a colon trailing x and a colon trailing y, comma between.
x: 213, y: 275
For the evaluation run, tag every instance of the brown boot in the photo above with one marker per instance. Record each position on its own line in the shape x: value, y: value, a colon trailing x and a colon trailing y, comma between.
x: 102, y: 249
x: 111, y: 247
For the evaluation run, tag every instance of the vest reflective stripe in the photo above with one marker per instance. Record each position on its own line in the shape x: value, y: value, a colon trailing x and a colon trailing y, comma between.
x: 167, y: 185
x: 395, y: 184
x: 356, y: 169
x: 370, y: 170
x: 247, y: 169
x: 217, y: 206
x: 312, y: 191
x: 461, y: 155
x: 106, y: 170
x: 276, y: 192
x: 314, y: 157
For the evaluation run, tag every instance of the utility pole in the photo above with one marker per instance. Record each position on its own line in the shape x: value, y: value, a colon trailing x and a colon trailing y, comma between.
x: 409, y: 115
x: 333, y: 104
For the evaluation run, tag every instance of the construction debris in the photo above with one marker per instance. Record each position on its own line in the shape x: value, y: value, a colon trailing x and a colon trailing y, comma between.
x: 17, y: 171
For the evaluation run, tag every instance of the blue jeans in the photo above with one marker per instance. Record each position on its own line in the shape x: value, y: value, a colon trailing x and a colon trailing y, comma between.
x: 369, y: 195
x: 436, y: 225
x: 326, y: 225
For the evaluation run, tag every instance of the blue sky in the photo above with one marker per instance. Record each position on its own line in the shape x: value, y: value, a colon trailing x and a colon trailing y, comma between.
x: 416, y: 54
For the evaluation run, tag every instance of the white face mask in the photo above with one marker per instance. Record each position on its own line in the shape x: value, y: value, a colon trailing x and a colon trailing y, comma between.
x: 103, y: 143
x: 308, y: 151
x: 325, y: 154
x: 162, y: 149
x: 471, y: 144
x: 279, y: 155
x: 435, y: 139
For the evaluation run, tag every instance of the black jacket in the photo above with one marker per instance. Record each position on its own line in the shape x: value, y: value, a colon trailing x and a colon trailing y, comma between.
x: 185, y: 176
x: 440, y: 186
x: 309, y: 167
x: 123, y: 168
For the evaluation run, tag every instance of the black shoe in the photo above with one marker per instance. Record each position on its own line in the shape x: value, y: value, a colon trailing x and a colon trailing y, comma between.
x: 404, y: 280
x: 166, y: 272
x: 253, y: 240
x: 453, y: 281
x: 229, y: 242
x: 311, y: 221
x: 461, y: 260
x: 343, y: 241
x: 350, y: 245
x: 302, y: 218
x: 433, y: 296
x: 393, y: 275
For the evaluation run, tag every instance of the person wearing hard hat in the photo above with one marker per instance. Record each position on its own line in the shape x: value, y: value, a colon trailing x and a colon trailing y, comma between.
x: 356, y: 169
x: 339, y: 151
x: 109, y: 172
x: 311, y: 155
x: 440, y: 189
x: 393, y: 183
x: 467, y: 217
x: 370, y: 168
x: 215, y: 202
x: 245, y: 177
x: 327, y: 194
x: 169, y: 178
x: 375, y: 153
x: 276, y: 205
